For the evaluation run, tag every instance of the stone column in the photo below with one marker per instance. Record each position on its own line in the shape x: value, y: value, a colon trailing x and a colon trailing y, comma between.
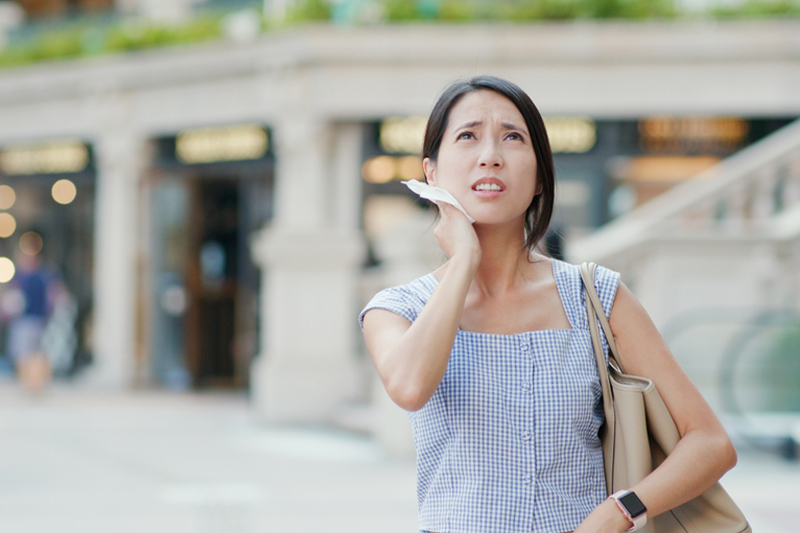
x: 311, y: 258
x: 120, y: 157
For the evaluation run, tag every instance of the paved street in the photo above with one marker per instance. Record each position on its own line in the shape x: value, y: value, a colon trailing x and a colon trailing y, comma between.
x: 77, y: 461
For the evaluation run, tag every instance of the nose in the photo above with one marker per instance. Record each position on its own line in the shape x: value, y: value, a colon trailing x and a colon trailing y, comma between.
x: 490, y: 155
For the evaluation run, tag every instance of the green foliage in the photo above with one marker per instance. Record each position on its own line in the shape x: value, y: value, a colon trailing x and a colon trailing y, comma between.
x: 138, y: 37
x: 629, y: 9
x: 90, y: 40
x: 532, y: 10
x: 309, y: 11
x: 457, y: 11
x: 522, y: 10
x: 401, y: 10
x: 414, y: 10
x: 56, y: 45
x: 759, y: 9
x: 555, y: 9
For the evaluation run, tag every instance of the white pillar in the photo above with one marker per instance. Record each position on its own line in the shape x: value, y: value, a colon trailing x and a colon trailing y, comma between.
x: 120, y: 156
x: 311, y: 257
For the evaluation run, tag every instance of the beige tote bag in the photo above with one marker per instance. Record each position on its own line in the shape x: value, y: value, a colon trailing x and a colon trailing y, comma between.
x: 639, y: 433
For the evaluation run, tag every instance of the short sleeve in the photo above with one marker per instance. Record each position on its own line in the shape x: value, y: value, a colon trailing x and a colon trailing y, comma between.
x: 605, y: 283
x: 398, y: 300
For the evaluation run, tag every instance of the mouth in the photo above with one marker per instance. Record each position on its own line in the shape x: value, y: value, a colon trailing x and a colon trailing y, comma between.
x: 489, y: 185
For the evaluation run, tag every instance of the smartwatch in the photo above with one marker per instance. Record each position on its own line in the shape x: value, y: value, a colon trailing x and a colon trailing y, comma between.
x: 632, y: 507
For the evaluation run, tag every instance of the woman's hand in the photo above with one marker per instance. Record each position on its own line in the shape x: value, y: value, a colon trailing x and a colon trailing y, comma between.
x: 456, y: 236
x: 606, y: 518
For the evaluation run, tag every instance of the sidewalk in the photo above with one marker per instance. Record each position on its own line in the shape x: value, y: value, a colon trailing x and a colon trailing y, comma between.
x: 78, y: 461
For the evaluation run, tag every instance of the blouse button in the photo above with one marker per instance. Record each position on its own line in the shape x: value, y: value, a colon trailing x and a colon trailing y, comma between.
x: 526, y: 387
x: 526, y: 435
x: 528, y: 480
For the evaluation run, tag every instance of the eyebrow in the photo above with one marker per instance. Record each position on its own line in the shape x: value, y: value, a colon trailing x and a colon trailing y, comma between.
x: 512, y: 126
x: 470, y: 124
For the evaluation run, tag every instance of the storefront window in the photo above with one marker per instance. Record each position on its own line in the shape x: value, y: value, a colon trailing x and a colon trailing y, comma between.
x: 47, y: 210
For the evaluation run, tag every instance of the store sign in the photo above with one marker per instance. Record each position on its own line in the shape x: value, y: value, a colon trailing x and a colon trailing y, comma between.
x: 54, y: 157
x: 571, y: 135
x: 403, y: 135
x: 665, y: 134
x: 213, y: 145
x: 386, y: 168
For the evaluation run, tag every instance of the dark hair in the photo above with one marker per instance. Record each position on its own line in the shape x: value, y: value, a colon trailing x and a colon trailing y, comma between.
x: 540, y: 210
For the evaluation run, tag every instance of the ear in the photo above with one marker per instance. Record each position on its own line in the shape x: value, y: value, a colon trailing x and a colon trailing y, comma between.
x: 429, y: 168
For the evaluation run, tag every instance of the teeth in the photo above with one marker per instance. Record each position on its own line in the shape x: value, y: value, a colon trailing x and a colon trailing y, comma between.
x: 488, y: 187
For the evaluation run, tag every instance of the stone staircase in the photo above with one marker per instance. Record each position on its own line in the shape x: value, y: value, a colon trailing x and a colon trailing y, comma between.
x: 752, y: 196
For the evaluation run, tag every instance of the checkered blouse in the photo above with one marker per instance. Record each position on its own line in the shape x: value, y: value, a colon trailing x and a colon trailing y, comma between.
x: 509, y: 440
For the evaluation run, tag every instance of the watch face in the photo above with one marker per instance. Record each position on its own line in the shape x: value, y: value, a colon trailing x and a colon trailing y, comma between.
x: 633, y: 504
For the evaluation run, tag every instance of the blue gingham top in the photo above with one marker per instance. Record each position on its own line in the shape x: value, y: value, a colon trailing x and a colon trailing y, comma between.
x: 509, y: 441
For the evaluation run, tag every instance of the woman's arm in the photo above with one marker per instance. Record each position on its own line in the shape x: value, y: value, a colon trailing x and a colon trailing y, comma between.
x: 704, y: 452
x: 411, y: 359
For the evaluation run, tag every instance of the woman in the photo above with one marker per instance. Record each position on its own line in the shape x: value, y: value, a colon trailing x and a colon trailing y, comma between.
x: 491, y: 353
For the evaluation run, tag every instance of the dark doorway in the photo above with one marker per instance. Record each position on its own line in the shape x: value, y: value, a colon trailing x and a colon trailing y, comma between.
x: 213, y: 282
x: 203, y: 285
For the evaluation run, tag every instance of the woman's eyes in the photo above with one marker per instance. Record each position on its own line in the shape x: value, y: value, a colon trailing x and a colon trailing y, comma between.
x: 511, y: 136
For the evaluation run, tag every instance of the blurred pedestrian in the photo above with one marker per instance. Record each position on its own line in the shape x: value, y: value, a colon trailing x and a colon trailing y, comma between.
x: 491, y: 353
x: 27, y: 304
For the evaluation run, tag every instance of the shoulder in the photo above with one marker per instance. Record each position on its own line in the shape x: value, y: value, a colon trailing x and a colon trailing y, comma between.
x: 404, y: 300
x: 606, y: 282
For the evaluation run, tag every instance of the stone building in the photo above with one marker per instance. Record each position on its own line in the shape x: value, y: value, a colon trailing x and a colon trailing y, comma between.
x: 224, y: 233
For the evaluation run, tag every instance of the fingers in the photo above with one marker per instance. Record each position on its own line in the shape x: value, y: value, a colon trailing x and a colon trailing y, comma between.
x: 449, y: 210
x: 454, y: 232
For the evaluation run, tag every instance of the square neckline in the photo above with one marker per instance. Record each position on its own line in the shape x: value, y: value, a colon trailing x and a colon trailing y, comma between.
x: 561, y: 296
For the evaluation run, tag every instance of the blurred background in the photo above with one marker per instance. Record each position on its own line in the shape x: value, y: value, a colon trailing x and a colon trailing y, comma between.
x: 198, y: 196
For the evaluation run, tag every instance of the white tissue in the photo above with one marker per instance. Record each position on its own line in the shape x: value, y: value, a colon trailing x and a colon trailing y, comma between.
x: 435, y: 194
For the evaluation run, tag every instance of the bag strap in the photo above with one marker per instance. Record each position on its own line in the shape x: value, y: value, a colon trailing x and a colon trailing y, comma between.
x: 595, y: 312
x: 587, y: 273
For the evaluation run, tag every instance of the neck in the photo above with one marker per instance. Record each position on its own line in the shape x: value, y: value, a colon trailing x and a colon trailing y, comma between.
x: 504, y: 255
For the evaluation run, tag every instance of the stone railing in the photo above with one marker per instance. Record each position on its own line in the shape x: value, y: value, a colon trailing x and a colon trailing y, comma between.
x: 754, y: 194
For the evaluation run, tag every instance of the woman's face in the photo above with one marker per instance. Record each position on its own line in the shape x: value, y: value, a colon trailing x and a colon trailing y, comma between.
x: 486, y: 159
